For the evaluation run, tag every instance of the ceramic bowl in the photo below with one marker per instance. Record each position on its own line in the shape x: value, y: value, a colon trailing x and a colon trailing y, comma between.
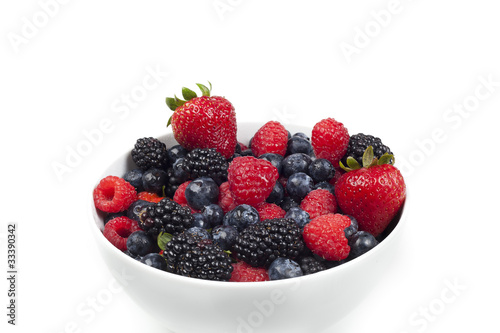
x: 311, y: 303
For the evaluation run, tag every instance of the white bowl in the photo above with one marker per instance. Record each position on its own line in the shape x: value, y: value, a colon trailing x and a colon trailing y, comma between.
x: 310, y: 303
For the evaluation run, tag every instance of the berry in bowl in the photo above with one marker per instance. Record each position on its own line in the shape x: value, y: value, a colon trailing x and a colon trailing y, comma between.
x: 248, y: 227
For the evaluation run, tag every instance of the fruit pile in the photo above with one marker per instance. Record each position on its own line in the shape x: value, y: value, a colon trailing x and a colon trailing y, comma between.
x: 279, y: 206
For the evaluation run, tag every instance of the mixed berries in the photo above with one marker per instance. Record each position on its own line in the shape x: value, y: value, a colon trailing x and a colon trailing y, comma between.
x: 280, y: 206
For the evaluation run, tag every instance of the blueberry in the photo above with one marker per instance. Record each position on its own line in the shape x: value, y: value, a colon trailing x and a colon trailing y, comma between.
x: 294, y: 163
x: 136, y: 208
x: 224, y: 236
x: 302, y: 135
x: 325, y: 186
x: 275, y: 159
x: 321, y: 170
x: 134, y: 177
x: 154, y: 179
x: 139, y: 243
x: 284, y: 268
x: 298, y: 215
x: 241, y: 217
x: 198, y: 233
x: 298, y: 185
x: 360, y: 243
x: 155, y: 260
x: 247, y: 152
x: 277, y: 194
x: 179, y: 172
x: 213, y: 214
x: 298, y: 144
x: 200, y: 221
x: 352, y: 228
x: 176, y: 152
x: 288, y: 203
x: 202, y: 192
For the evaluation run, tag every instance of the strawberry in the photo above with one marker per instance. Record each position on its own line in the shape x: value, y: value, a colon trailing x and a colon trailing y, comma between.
x: 203, y: 122
x: 373, y: 193
x: 330, y: 140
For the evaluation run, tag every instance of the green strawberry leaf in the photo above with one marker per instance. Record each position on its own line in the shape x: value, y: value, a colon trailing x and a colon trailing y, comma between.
x: 171, y: 103
x: 163, y: 239
x: 368, y: 157
x: 188, y: 94
x: 387, y: 159
x: 352, y: 163
x: 204, y: 90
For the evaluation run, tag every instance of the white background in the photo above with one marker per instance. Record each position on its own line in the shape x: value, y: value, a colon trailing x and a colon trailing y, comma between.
x: 68, y: 67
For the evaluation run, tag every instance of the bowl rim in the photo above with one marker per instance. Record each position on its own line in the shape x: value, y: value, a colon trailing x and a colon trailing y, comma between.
x: 273, y: 284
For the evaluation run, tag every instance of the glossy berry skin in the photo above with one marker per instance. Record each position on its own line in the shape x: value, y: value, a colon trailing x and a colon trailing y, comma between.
x: 360, y: 243
x: 154, y: 179
x: 175, y: 152
x: 321, y: 170
x: 200, y: 221
x: 275, y: 159
x: 201, y: 192
x: 284, y: 268
x: 325, y: 186
x: 373, y: 196
x: 325, y: 236
x: 206, y: 122
x: 311, y: 265
x: 299, y: 185
x: 198, y: 232
x: 319, y: 202
x: 224, y: 236
x: 298, y: 144
x: 213, y: 214
x: 330, y: 139
x: 241, y: 217
x: 139, y: 243
x: 136, y: 208
x: 243, y: 272
x: 150, y: 153
x: 134, y: 177
x: 298, y: 215
x: 277, y: 194
x: 154, y: 260
x: 113, y: 194
x: 294, y: 163
x: 251, y: 180
x: 272, y: 137
x: 352, y: 228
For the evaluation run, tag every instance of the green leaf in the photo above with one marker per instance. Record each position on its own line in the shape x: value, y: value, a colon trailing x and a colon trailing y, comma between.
x: 188, y: 94
x: 169, y: 121
x: 386, y: 159
x: 179, y: 101
x: 163, y: 239
x: 343, y: 167
x: 171, y: 103
x: 204, y: 90
x: 352, y: 163
x: 368, y: 157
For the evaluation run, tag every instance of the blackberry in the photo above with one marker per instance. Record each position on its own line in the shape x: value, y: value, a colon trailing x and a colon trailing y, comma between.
x: 150, y: 153
x: 310, y: 265
x: 260, y: 244
x: 189, y: 255
x: 206, y: 162
x: 166, y: 216
x: 358, y: 144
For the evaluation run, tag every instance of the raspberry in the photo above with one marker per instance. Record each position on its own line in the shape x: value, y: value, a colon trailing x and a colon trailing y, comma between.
x: 149, y: 196
x: 118, y: 229
x: 272, y: 137
x: 114, y: 194
x: 180, y: 194
x: 319, y: 202
x: 226, y: 199
x: 268, y: 211
x: 330, y: 140
x: 325, y: 236
x: 251, y: 180
x: 243, y: 272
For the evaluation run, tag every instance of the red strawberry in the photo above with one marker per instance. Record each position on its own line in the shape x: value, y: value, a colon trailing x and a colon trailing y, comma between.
x: 373, y: 194
x: 149, y: 196
x: 203, y: 122
x: 251, y: 180
x: 272, y: 137
x: 330, y: 139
